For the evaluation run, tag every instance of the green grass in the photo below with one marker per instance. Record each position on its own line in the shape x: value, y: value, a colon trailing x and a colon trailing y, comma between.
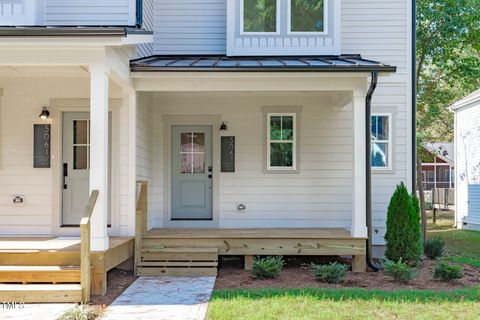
x: 350, y: 303
x: 461, y: 246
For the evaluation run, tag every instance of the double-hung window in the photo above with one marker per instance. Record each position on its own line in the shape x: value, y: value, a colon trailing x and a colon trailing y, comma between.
x: 381, y: 156
x: 259, y: 16
x: 307, y: 16
x: 281, y: 141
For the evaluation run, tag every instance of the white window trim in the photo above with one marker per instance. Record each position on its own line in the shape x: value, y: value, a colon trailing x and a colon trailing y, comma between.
x: 389, y: 141
x: 325, y: 21
x: 294, y: 142
x: 277, y: 20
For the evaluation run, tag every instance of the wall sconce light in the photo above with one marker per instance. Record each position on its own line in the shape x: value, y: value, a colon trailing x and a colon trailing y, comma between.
x: 45, y: 114
x: 223, y: 127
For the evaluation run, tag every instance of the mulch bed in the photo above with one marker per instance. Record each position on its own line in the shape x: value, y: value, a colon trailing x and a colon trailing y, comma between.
x: 294, y: 275
x: 117, y: 281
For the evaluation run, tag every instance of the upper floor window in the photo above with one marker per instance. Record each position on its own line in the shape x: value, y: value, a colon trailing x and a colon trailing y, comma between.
x: 259, y: 16
x: 381, y: 157
x: 307, y: 16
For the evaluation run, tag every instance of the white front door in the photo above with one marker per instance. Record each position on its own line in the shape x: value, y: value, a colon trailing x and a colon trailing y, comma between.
x: 76, y: 167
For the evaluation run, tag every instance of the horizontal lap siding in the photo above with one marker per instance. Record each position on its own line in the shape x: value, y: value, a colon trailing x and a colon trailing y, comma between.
x: 146, y: 49
x: 190, y: 26
x: 319, y: 196
x: 86, y: 12
x: 377, y: 29
x: 467, y: 137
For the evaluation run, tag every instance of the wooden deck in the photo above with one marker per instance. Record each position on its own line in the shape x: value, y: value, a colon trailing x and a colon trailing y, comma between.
x: 23, y: 257
x: 161, y: 248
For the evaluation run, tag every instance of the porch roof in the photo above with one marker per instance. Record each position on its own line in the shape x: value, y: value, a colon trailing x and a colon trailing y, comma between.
x: 340, y: 63
x: 71, y: 31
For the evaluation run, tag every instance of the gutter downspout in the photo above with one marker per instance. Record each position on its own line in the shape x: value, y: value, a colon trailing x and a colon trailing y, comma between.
x: 368, y: 167
x: 139, y: 14
x: 414, y: 97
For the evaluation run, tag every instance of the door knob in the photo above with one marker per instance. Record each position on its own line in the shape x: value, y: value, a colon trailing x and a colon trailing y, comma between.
x: 65, y: 174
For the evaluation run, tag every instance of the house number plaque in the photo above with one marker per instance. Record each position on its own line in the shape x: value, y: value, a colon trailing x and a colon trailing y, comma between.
x: 41, y: 145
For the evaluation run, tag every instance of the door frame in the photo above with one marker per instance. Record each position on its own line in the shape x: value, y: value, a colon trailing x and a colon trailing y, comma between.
x: 58, y: 107
x: 191, y: 120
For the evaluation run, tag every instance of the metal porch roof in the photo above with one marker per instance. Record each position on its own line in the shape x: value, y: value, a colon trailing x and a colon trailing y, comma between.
x: 340, y: 63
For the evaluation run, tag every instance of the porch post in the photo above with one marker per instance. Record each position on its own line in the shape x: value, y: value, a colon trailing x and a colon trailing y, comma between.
x: 99, y: 165
x: 359, y: 228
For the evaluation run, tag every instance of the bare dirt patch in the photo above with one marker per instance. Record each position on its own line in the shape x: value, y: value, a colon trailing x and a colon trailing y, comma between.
x: 232, y: 276
x: 117, y: 281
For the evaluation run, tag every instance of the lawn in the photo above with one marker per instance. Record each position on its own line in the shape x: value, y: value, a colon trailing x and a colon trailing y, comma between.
x: 362, y: 304
x: 355, y: 303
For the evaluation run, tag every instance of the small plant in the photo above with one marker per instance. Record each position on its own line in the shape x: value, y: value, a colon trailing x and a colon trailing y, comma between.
x: 447, y: 272
x: 81, y: 312
x: 399, y: 271
x: 330, y: 273
x: 433, y: 248
x: 268, y: 267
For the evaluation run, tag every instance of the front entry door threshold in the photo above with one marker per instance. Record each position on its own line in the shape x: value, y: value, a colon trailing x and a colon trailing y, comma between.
x: 200, y: 224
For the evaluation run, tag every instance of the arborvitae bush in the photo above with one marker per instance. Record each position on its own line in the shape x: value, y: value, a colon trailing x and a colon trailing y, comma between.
x: 403, y: 236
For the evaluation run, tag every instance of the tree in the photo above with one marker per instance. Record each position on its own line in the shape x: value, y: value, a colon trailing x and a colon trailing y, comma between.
x: 403, y: 236
x: 448, y: 65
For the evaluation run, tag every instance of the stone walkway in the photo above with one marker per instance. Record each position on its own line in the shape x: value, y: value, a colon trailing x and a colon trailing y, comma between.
x: 163, y: 298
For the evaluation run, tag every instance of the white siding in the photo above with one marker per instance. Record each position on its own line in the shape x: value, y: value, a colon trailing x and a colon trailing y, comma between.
x: 146, y: 49
x: 20, y: 106
x: 467, y: 162
x: 377, y: 29
x: 190, y: 26
x: 88, y: 12
x: 319, y: 196
x: 145, y: 148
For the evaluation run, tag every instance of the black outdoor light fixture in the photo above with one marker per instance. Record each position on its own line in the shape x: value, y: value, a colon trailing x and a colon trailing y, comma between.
x: 45, y: 114
x: 223, y: 127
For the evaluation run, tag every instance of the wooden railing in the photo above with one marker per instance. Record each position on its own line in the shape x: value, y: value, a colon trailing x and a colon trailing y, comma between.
x: 140, y: 220
x: 85, y: 265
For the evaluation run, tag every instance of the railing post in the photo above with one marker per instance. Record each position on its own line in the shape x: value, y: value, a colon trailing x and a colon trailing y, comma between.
x: 140, y: 221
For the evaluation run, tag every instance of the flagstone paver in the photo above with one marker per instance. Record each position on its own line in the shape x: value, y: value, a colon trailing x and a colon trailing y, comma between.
x: 159, y: 298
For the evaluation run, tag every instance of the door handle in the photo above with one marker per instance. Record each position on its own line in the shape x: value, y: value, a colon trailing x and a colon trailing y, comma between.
x: 65, y: 174
x: 209, y: 176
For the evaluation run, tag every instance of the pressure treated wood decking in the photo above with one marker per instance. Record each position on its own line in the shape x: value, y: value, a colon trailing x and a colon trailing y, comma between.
x: 158, y: 244
x: 28, y: 261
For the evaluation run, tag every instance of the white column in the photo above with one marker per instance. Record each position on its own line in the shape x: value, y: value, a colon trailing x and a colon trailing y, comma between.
x: 359, y: 227
x: 99, y: 164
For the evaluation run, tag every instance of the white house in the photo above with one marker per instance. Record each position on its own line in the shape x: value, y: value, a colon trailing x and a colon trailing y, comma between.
x: 251, y: 122
x: 467, y: 161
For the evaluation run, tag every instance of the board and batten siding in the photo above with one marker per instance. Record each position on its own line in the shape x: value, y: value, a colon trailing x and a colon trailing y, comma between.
x: 319, y: 196
x: 89, y: 12
x: 190, y: 26
x: 467, y: 161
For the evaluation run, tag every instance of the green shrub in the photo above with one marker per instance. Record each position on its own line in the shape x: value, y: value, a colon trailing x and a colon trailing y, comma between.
x: 447, y: 272
x: 330, y: 273
x: 267, y: 268
x: 403, y: 236
x: 399, y: 271
x: 433, y: 248
x: 81, y: 312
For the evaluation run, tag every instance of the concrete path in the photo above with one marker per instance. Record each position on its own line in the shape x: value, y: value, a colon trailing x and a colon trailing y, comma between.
x: 40, y: 311
x: 163, y: 298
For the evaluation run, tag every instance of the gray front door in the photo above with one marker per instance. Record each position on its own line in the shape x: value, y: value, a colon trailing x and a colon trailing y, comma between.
x: 76, y: 166
x: 192, y: 173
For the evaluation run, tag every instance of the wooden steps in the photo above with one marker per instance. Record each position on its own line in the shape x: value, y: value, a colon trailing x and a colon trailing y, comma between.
x: 181, y: 261
x: 39, y: 274
x: 40, y: 293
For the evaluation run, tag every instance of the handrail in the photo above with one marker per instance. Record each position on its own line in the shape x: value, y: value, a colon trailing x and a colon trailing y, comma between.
x: 140, y: 220
x: 85, y: 265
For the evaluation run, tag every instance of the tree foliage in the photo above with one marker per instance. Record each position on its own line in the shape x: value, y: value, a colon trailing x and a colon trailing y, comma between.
x: 403, y: 237
x: 448, y: 62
